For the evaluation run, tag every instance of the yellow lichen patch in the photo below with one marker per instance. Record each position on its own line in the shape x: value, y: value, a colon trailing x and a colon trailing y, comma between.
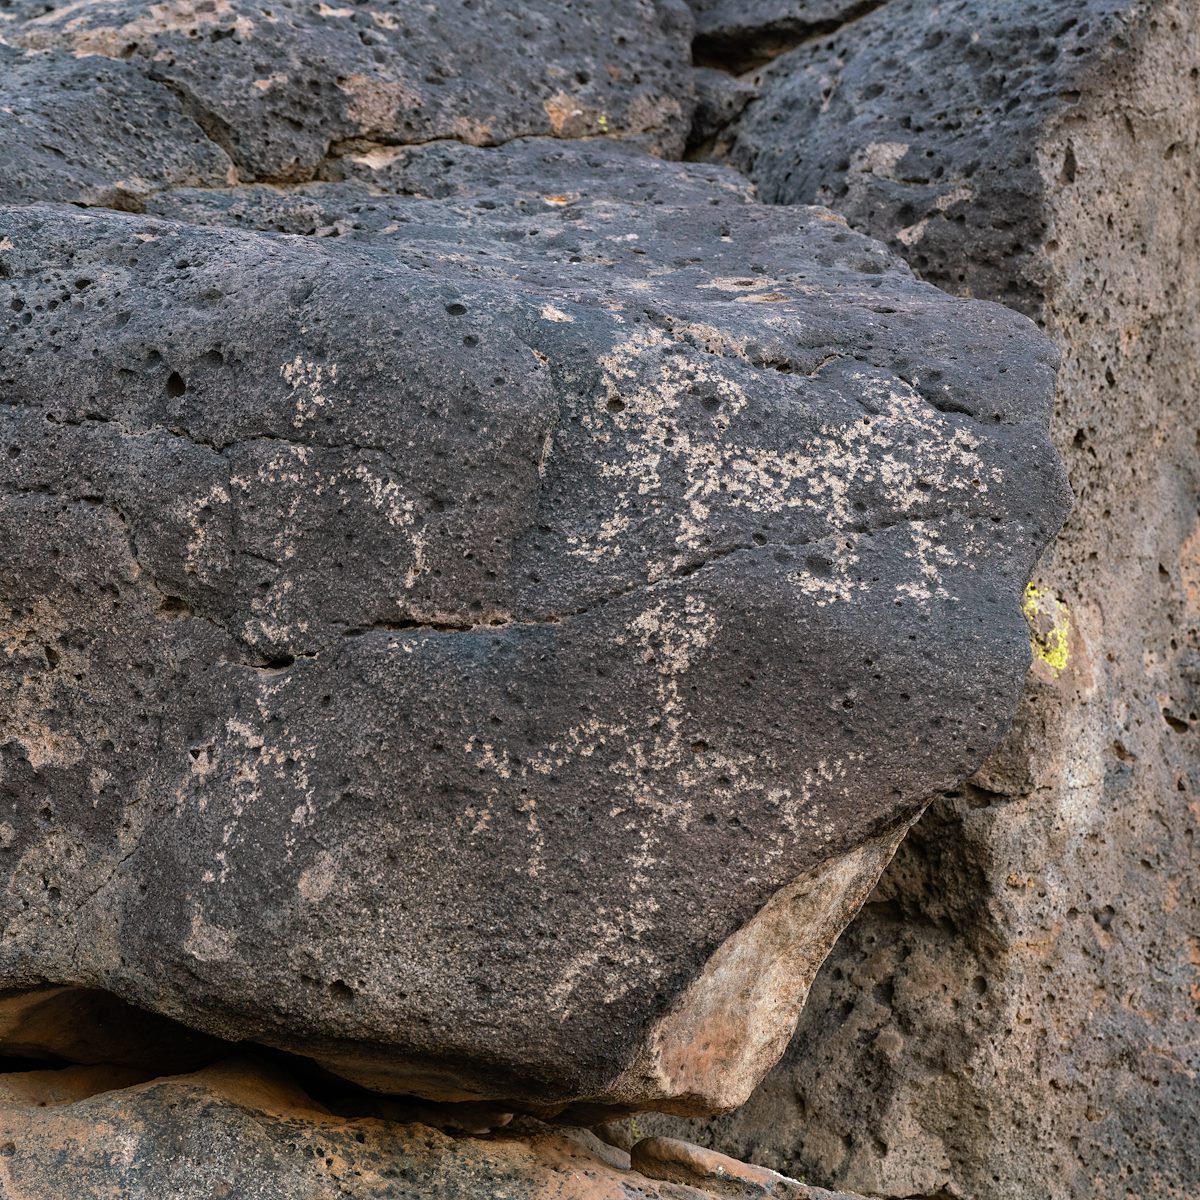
x: 571, y: 118
x: 1049, y: 627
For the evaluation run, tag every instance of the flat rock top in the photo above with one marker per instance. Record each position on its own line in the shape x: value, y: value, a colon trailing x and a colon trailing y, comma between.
x: 447, y: 600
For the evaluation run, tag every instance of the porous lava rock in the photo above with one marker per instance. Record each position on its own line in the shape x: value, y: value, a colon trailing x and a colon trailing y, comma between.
x: 278, y: 88
x: 1014, y: 1011
x: 492, y: 650
x: 923, y: 126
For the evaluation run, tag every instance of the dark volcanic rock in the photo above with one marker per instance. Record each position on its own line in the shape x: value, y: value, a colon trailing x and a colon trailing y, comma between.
x: 920, y: 124
x: 494, y: 649
x: 720, y: 98
x: 278, y: 88
x: 92, y: 131
x: 1015, y: 1010
x: 544, y: 173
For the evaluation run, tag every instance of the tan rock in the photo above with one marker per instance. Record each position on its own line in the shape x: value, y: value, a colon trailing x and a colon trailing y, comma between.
x: 241, y: 1130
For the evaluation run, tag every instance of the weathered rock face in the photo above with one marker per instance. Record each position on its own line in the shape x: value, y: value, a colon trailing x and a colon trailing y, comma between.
x: 923, y: 127
x: 488, y: 649
x: 1014, y: 1011
x: 244, y: 1130
x: 278, y: 89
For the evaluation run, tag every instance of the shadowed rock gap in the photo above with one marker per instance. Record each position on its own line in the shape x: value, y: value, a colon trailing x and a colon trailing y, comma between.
x: 740, y: 49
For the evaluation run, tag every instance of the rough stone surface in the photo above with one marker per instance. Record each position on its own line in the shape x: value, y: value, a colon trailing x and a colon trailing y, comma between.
x: 278, y: 87
x: 480, y: 604
x: 93, y: 131
x: 486, y: 648
x: 245, y: 1131
x: 529, y: 177
x: 720, y: 98
x: 1016, y: 1010
x: 375, y: 668
x: 923, y: 127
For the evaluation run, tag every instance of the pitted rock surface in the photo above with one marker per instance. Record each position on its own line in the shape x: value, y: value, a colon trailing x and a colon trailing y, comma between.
x: 436, y: 643
x: 94, y: 131
x: 479, y: 615
x: 920, y: 125
x: 111, y: 97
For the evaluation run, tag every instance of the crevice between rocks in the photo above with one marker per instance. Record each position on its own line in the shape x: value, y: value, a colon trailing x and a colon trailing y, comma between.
x: 212, y: 126
x: 113, y: 1044
x: 121, y: 198
x: 740, y: 51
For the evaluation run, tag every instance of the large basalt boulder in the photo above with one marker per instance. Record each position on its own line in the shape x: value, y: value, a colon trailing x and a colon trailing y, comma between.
x: 924, y: 127
x: 1014, y: 1012
x: 494, y: 649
